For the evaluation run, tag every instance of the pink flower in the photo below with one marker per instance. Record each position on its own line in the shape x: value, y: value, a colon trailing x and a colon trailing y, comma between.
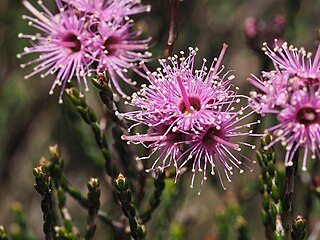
x: 85, y: 37
x: 191, y: 118
x: 111, y: 9
x: 188, y: 98
x: 292, y: 92
x: 218, y: 146
x: 117, y: 49
x: 63, y: 47
x: 299, y: 126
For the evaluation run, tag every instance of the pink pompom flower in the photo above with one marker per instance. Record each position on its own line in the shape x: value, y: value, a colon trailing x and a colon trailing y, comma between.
x: 191, y: 117
x: 291, y: 91
x: 85, y: 37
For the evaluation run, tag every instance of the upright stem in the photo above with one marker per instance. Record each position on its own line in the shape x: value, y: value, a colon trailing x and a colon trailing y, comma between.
x: 89, y: 117
x: 128, y: 208
x: 173, y: 31
x: 159, y: 185
x: 43, y: 185
x: 82, y: 200
x: 291, y: 172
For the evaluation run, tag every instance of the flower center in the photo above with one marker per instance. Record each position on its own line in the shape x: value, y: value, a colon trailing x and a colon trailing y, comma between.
x: 195, y: 105
x: 313, y: 80
x: 215, y: 137
x: 72, y: 42
x: 307, y: 116
x: 108, y: 45
x: 208, y: 138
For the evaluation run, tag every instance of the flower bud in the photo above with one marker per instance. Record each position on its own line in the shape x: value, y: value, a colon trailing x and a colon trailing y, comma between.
x: 121, y: 183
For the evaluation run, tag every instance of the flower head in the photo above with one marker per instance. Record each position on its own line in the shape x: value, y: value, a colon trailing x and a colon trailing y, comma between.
x: 109, y: 10
x: 117, y: 49
x: 218, y: 146
x: 299, y: 126
x: 292, y: 92
x: 82, y: 36
x: 63, y: 47
x: 190, y: 115
x: 188, y: 98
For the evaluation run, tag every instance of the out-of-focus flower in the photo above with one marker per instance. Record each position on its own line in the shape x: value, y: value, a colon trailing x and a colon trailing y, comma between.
x: 273, y: 92
x: 84, y: 37
x: 62, y: 47
x: 118, y: 49
x: 296, y: 62
x: 257, y: 31
x: 110, y: 10
x: 294, y: 70
x: 292, y: 92
x: 191, y: 118
x: 299, y: 126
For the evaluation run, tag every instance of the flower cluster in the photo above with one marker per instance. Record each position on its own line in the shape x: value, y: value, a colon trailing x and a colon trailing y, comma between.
x: 292, y: 92
x: 191, y: 118
x: 86, y: 36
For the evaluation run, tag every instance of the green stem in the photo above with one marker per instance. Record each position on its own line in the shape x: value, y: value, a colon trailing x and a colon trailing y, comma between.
x: 298, y: 228
x: 129, y: 166
x: 268, y: 183
x: 291, y: 172
x: 93, y: 206
x: 242, y: 228
x: 89, y: 117
x: 55, y: 168
x: 83, y: 201
x: 155, y: 199
x: 43, y: 187
x: 128, y: 209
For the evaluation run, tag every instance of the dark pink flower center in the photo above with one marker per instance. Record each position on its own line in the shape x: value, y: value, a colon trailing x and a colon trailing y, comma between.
x: 72, y: 42
x: 307, y: 116
x: 195, y: 103
x: 108, y: 45
x: 313, y: 80
x: 208, y: 138
x: 216, y: 136
x: 93, y: 27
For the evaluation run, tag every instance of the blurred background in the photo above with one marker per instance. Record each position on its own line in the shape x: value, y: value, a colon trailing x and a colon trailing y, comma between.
x: 31, y: 120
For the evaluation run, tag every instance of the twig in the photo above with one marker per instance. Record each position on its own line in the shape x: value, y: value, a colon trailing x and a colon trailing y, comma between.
x: 242, y: 228
x: 155, y: 199
x: 173, y: 31
x: 298, y: 228
x: 309, y: 200
x: 20, y: 220
x: 291, y: 172
x: 89, y: 117
x: 43, y: 186
x: 82, y: 200
x: 128, y: 209
x: 268, y: 183
x: 54, y: 167
x: 101, y: 81
x: 93, y: 206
